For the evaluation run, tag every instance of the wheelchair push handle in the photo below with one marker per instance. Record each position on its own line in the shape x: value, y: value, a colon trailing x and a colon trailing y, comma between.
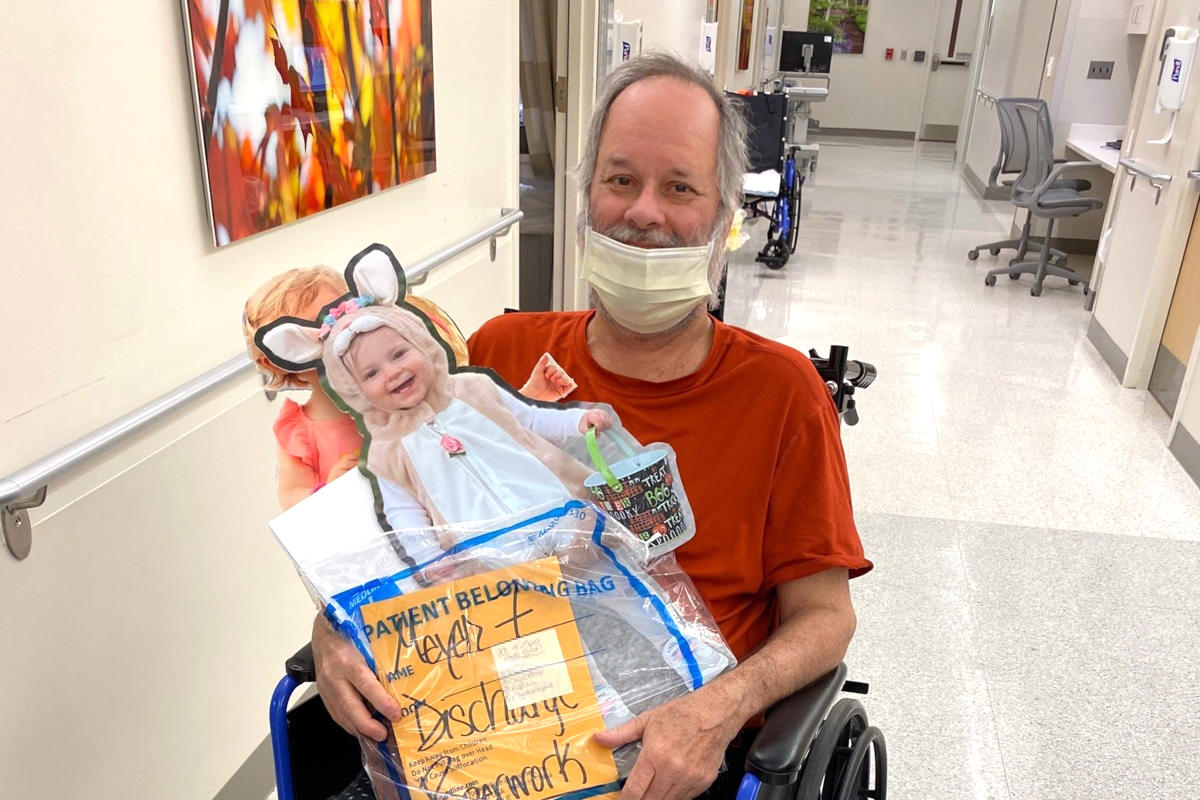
x: 842, y: 375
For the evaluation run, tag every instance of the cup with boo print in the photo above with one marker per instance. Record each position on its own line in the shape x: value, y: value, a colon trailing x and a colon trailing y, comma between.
x: 641, y: 491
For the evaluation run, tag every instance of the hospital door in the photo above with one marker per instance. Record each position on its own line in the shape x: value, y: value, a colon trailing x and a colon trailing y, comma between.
x: 1153, y: 206
x: 1179, y: 334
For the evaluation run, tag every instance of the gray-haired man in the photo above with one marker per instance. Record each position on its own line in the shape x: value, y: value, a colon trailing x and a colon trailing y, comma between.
x: 756, y: 436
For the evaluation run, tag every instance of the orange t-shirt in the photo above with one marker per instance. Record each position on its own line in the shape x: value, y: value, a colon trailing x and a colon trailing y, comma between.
x: 759, y: 449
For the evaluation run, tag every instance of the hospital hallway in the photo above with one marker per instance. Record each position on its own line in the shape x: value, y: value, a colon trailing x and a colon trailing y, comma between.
x: 1032, y: 625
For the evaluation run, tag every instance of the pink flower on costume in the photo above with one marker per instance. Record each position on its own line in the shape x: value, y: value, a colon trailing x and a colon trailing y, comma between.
x: 452, y: 446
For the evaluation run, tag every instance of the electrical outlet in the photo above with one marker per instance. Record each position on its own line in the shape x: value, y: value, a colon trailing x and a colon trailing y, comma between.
x: 1100, y: 71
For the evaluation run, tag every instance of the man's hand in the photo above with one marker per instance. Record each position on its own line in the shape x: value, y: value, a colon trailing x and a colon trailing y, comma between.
x: 345, y: 682
x: 683, y: 743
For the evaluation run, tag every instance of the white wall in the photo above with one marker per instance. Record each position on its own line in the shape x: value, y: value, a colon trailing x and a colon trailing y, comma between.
x: 1095, y: 32
x: 673, y: 25
x: 867, y: 92
x: 1011, y: 67
x: 144, y: 632
x: 795, y: 14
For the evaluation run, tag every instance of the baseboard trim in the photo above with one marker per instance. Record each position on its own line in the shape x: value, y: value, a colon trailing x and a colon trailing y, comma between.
x: 1109, y: 350
x: 1082, y: 247
x: 255, y: 778
x: 867, y: 132
x: 939, y: 133
x: 981, y: 188
x: 1187, y: 450
x: 1166, y: 379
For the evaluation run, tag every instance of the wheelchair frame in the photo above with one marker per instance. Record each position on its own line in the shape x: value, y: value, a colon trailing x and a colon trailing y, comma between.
x: 784, y: 211
x: 784, y: 214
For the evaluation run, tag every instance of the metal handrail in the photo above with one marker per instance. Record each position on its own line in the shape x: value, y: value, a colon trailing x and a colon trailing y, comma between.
x: 26, y: 488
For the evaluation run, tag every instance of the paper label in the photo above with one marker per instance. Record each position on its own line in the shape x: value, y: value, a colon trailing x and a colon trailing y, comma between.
x: 497, y: 699
x: 532, y: 668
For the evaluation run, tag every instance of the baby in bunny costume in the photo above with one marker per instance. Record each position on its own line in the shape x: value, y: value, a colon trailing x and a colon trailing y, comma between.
x: 445, y: 446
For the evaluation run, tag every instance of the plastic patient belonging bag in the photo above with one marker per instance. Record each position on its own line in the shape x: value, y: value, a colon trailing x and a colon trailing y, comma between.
x: 507, y: 652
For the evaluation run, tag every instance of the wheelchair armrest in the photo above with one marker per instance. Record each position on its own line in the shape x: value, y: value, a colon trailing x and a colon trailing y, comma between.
x: 780, y: 747
x: 300, y: 666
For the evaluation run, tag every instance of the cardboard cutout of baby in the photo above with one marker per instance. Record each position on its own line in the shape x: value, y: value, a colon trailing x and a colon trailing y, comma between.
x: 446, y: 444
x: 445, y: 447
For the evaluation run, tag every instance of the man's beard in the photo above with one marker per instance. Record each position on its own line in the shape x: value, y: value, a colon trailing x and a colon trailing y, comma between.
x: 632, y: 235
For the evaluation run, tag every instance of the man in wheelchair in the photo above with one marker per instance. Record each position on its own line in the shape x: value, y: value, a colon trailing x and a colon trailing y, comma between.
x: 751, y: 421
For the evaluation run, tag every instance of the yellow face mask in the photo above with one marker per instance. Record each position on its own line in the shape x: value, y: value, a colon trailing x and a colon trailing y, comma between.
x: 647, y: 290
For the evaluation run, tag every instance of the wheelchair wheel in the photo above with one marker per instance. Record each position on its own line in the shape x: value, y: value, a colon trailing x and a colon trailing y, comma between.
x: 855, y: 782
x: 794, y: 212
x: 824, y: 768
x: 775, y: 254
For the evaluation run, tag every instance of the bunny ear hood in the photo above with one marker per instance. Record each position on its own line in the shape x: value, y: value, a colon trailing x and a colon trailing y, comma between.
x: 376, y: 281
x: 409, y: 325
x: 290, y: 344
x: 376, y: 272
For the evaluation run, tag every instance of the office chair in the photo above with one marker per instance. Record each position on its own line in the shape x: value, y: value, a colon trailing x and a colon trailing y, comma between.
x: 1038, y: 190
x: 1011, y: 161
x: 801, y: 753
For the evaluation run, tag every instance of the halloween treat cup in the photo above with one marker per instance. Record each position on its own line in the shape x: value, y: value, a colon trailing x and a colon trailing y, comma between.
x: 639, y: 491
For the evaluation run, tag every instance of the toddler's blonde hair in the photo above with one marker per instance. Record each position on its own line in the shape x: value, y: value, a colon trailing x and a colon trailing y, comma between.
x: 285, y: 295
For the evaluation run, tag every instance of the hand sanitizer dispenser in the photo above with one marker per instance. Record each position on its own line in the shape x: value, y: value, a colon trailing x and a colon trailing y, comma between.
x: 1175, y: 67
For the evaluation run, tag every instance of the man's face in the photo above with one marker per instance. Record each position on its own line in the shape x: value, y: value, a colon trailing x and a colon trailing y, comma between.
x: 655, y: 183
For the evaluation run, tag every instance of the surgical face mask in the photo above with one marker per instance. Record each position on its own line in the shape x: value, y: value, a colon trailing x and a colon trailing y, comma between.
x: 645, y: 290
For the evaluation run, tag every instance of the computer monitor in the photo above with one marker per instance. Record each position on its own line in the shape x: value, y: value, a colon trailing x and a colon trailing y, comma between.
x: 791, y: 51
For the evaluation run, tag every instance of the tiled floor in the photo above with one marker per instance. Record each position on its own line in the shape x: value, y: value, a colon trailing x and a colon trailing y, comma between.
x: 1032, y: 626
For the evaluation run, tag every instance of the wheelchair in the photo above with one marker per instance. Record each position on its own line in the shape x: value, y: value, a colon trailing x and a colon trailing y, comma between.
x: 770, y: 155
x: 809, y: 748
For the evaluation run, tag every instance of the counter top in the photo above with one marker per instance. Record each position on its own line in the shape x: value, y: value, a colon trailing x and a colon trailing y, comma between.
x: 1088, y: 141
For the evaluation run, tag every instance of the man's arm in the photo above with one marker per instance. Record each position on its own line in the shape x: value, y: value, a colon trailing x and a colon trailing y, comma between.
x: 347, y: 684
x: 684, y: 741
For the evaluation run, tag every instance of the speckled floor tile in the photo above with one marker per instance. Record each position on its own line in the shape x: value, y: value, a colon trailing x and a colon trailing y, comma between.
x: 1032, y: 625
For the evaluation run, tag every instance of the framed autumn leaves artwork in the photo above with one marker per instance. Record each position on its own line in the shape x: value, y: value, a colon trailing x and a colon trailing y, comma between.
x: 302, y: 105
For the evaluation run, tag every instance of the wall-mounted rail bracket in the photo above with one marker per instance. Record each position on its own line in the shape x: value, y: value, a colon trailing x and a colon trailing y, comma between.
x: 1158, y: 180
x: 504, y: 212
x: 14, y: 521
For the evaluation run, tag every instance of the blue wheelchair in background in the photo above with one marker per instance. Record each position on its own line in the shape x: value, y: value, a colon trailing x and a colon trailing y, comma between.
x: 773, y: 187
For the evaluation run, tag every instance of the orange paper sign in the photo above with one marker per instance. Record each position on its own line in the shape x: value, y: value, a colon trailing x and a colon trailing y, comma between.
x: 497, y: 697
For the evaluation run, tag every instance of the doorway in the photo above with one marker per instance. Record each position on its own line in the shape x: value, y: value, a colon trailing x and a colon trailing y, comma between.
x: 947, y: 83
x: 539, y: 160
